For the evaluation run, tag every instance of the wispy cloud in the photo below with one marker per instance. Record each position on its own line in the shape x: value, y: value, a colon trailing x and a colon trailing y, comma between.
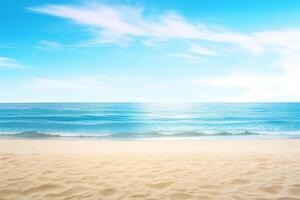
x: 288, y: 39
x: 6, y: 62
x: 194, y: 54
x: 48, y: 44
x: 122, y: 25
x: 112, y: 23
x: 253, y: 87
x: 186, y: 56
x: 202, y: 51
x: 119, y: 24
x: 272, y: 86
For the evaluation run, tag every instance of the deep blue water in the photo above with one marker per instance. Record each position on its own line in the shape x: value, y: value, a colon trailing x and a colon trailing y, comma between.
x: 142, y: 121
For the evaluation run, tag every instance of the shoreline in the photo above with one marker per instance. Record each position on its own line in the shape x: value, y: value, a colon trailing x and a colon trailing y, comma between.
x: 57, y: 145
x: 161, y: 138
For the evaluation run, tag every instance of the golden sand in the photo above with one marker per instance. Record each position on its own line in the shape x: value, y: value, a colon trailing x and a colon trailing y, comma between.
x: 57, y: 169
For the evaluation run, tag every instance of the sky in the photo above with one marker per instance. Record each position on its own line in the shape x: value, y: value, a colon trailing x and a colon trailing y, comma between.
x: 149, y: 51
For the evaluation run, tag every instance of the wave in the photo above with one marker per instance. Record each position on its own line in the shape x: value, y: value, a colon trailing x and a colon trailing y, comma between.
x: 144, y: 135
x: 36, y: 134
x: 29, y: 134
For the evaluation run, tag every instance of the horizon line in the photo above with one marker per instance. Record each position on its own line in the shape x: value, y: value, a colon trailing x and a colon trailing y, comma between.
x: 146, y: 102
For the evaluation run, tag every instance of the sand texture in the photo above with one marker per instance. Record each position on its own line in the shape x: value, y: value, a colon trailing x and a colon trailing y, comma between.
x: 48, y: 169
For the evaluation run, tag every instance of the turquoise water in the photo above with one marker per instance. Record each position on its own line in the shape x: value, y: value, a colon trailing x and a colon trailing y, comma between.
x: 144, y: 121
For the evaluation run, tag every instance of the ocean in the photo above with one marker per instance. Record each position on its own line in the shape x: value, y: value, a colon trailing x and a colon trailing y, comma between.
x: 142, y: 121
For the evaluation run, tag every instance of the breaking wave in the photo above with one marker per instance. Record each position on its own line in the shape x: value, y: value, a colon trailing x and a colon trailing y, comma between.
x: 153, y: 134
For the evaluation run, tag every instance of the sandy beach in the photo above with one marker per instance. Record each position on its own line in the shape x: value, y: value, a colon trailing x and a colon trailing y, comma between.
x: 78, y: 169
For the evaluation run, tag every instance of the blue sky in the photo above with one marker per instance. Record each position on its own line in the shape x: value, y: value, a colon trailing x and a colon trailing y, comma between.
x: 150, y: 51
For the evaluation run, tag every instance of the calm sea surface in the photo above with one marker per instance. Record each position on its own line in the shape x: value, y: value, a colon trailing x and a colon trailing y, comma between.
x: 150, y: 121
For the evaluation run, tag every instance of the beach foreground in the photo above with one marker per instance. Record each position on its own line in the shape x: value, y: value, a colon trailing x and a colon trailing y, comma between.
x: 74, y: 169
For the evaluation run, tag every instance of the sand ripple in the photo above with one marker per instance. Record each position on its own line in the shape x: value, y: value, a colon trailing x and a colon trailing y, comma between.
x: 194, y: 175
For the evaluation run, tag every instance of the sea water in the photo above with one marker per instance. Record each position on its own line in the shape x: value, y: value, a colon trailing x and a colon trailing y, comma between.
x: 150, y: 120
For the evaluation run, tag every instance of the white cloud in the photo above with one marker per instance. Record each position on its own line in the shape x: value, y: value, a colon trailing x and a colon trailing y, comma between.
x: 8, y: 63
x: 122, y: 23
x: 288, y: 39
x: 279, y: 86
x: 194, y: 54
x: 115, y: 22
x: 202, y: 51
x: 255, y: 87
x: 187, y: 57
x: 282, y: 85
